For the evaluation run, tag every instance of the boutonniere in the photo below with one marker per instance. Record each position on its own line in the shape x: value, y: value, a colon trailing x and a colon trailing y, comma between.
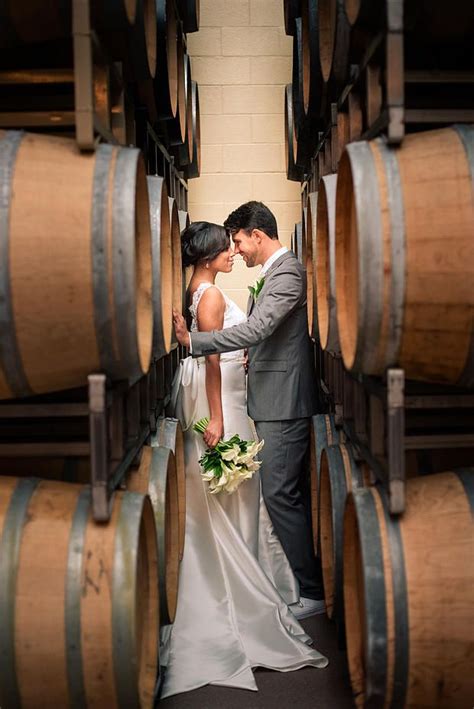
x: 255, y: 290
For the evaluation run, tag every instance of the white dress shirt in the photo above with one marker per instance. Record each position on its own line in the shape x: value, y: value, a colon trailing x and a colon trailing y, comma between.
x: 271, y: 260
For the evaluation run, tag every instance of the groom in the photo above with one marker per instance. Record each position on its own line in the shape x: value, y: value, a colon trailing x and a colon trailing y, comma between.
x: 281, y: 383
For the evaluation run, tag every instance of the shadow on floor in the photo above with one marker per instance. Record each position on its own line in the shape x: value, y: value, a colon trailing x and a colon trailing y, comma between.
x: 308, y: 688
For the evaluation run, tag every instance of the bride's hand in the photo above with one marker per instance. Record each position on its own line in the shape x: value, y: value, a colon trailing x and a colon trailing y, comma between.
x: 213, y: 433
x: 182, y: 334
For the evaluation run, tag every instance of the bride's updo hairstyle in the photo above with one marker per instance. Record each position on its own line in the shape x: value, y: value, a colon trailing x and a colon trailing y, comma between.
x: 203, y: 241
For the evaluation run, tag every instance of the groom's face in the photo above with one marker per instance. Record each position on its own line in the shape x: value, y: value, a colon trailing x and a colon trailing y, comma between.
x: 247, y: 246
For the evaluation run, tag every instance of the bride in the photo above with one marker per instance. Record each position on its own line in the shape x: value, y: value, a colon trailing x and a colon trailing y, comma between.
x: 235, y: 581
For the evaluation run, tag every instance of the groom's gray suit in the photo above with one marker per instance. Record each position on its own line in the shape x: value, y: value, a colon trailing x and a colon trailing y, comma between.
x: 281, y: 400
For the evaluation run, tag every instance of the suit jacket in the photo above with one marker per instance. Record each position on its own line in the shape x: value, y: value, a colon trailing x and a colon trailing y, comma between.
x: 281, y: 377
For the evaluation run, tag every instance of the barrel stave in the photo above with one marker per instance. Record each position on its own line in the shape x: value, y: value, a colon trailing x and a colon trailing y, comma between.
x: 162, y: 259
x: 170, y: 435
x: 156, y: 476
x: 326, y: 264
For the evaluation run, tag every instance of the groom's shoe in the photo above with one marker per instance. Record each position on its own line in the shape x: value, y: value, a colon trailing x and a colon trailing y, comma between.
x: 307, y: 607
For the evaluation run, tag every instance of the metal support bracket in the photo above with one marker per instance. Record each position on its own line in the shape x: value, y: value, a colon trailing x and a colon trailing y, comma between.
x: 98, y: 429
x: 395, y: 72
x: 396, y: 439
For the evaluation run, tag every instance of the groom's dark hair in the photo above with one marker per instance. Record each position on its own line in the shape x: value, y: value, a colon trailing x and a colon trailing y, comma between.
x: 252, y: 215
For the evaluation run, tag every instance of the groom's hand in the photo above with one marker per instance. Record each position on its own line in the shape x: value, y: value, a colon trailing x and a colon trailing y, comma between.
x: 182, y: 334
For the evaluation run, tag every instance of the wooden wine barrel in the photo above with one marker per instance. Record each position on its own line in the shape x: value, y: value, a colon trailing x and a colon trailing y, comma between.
x: 360, y: 11
x: 34, y: 21
x: 162, y: 256
x: 166, y: 79
x: 293, y: 172
x: 313, y: 88
x: 339, y: 474
x: 143, y: 41
x: 297, y: 81
x: 115, y: 15
x: 176, y: 251
x: 185, y: 150
x: 354, y: 115
x: 177, y: 125
x: 323, y: 433
x: 311, y: 269
x: 291, y: 10
x: 334, y: 34
x: 156, y: 476
x: 304, y: 219
x: 78, y: 600
x: 404, y: 288
x: 408, y: 594
x: 170, y: 435
x: 326, y: 264
x: 88, y: 309
x: 115, y: 20
x: 184, y: 220
x: 365, y: 18
x: 189, y: 12
x: 299, y: 241
x: 309, y: 226
x: 194, y: 168
x: 304, y: 127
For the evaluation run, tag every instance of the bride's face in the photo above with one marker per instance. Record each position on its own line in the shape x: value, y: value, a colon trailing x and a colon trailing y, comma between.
x: 223, y: 263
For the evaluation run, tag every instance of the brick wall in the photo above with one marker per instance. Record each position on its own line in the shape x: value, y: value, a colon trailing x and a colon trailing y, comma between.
x: 241, y: 58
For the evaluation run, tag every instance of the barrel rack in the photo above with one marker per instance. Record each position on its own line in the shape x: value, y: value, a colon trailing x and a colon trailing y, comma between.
x: 381, y: 97
x: 385, y: 419
x: 389, y: 91
x: 105, y: 423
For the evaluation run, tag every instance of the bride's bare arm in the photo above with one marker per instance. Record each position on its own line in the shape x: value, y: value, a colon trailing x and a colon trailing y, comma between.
x: 211, y: 317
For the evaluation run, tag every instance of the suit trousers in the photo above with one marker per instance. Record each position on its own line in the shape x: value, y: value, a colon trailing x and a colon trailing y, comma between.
x: 283, y: 473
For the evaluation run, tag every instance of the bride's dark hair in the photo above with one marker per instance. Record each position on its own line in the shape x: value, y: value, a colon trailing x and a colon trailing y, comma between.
x: 203, y: 241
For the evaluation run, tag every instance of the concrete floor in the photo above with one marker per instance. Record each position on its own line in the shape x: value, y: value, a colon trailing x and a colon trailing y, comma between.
x: 307, y: 688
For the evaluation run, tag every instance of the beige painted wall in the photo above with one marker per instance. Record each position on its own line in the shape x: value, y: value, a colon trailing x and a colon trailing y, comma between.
x: 241, y: 59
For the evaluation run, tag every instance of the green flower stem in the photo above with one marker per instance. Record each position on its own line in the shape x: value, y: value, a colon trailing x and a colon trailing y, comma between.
x: 201, y: 425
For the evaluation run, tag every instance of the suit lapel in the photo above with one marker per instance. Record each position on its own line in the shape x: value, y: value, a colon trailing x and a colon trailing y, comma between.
x: 273, y: 267
x: 278, y: 262
x: 249, y: 305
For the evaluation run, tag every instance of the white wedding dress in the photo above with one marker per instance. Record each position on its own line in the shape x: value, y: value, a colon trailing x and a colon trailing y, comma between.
x: 235, y: 581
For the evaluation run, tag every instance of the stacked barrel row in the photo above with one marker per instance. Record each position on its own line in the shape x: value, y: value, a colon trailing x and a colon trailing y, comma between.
x: 147, y: 36
x: 398, y: 588
x: 335, y: 45
x: 393, y: 265
x: 90, y: 247
x: 389, y: 249
x: 91, y: 598
x: 389, y: 252
x: 91, y: 264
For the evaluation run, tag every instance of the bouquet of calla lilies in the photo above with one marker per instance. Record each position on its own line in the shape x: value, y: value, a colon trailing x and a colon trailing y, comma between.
x: 226, y: 466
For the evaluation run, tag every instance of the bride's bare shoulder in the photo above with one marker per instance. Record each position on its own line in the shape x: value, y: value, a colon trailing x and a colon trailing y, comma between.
x: 202, y: 287
x: 212, y: 296
x: 209, y: 306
